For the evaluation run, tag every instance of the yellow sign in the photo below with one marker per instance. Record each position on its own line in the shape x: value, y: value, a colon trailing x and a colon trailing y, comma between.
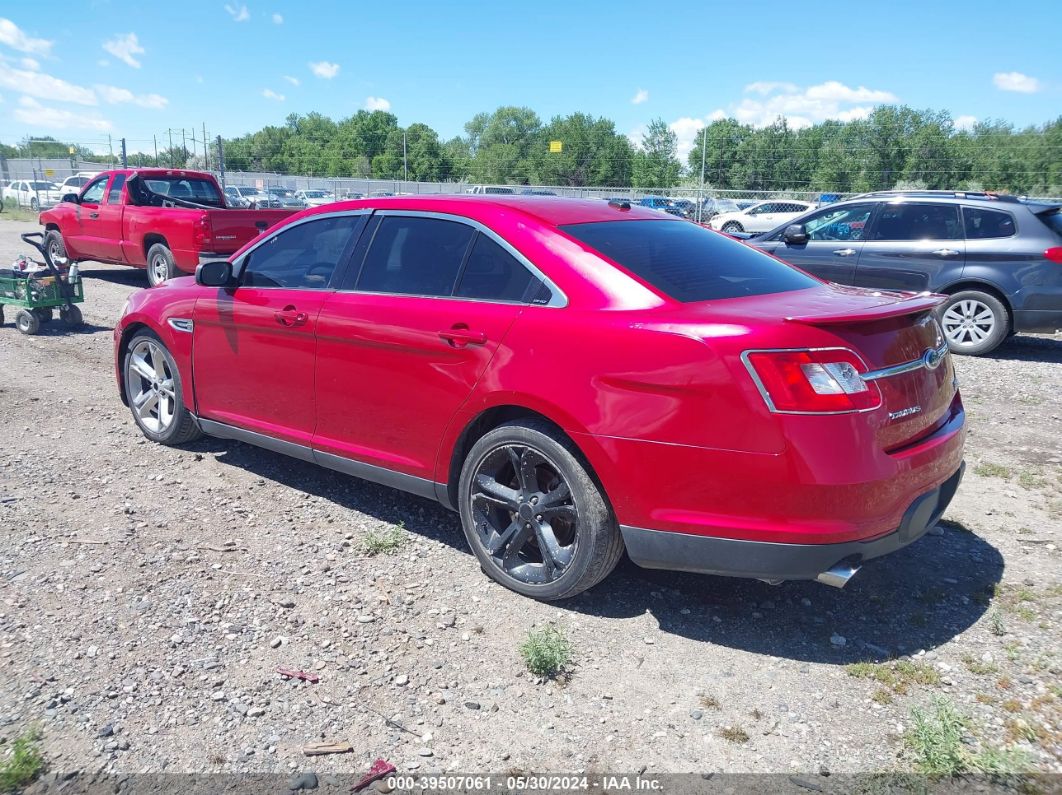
x: 72, y: 150
x: 49, y: 172
x: 556, y: 147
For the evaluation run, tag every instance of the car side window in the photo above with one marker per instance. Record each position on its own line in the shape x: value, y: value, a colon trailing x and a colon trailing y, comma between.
x: 415, y: 256
x: 303, y: 256
x: 839, y: 223
x: 94, y: 192
x: 492, y: 273
x: 918, y: 222
x: 760, y: 209
x: 982, y: 224
x: 115, y: 192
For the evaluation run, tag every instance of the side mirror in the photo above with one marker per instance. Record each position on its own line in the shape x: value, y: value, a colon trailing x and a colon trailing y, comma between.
x: 795, y: 235
x: 217, y: 273
x: 70, y: 197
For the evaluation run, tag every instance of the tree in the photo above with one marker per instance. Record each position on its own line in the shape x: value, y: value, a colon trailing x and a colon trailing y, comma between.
x: 501, y: 144
x: 592, y: 153
x: 655, y: 164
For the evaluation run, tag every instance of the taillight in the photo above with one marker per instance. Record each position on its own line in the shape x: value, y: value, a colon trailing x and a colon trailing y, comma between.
x: 1054, y: 254
x: 200, y: 232
x: 816, y: 381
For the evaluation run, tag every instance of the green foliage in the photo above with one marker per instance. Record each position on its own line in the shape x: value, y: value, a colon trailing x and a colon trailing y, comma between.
x: 23, y: 763
x: 546, y: 651
x: 898, y: 675
x: 655, y: 164
x: 385, y: 542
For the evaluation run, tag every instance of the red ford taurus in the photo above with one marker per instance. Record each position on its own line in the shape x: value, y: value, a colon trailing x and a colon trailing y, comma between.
x: 574, y: 378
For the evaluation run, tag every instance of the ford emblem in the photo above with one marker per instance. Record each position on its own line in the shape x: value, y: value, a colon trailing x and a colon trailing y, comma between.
x: 931, y: 359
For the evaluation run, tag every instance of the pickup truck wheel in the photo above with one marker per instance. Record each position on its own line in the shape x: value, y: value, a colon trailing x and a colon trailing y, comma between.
x: 160, y: 264
x: 533, y: 514
x: 153, y: 391
x: 56, y: 248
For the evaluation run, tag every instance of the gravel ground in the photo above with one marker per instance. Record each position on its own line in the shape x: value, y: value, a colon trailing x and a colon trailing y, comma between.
x: 149, y: 594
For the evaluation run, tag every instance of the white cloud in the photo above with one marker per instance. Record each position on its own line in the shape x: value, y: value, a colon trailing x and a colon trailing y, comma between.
x: 15, y: 38
x: 116, y: 96
x: 640, y: 96
x: 125, y: 47
x: 377, y: 103
x: 39, y: 84
x: 278, y: 19
x: 239, y: 13
x: 965, y: 122
x: 30, y: 63
x: 1016, y: 81
x: 686, y: 131
x: 31, y: 112
x: 324, y: 69
x: 293, y: 80
x: 269, y: 93
x: 103, y: 62
x: 803, y: 107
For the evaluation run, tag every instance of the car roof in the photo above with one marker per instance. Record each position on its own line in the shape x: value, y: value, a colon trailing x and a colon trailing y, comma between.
x: 550, y: 210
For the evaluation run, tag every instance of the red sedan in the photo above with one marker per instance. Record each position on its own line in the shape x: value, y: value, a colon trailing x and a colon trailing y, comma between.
x: 575, y: 378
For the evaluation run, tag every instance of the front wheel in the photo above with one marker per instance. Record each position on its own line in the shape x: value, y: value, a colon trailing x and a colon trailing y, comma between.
x: 153, y: 392
x: 733, y: 226
x: 34, y: 204
x: 160, y: 264
x: 974, y: 322
x: 533, y: 515
x: 56, y: 248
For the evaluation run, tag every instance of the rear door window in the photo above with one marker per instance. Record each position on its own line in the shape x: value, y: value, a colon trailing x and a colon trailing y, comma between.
x: 687, y: 262
x: 908, y: 222
x: 415, y: 256
x: 492, y: 273
x: 983, y: 224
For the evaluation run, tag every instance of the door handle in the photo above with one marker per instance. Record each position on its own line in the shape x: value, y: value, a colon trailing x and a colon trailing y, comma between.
x: 844, y: 252
x: 945, y: 252
x: 94, y: 215
x: 460, y: 335
x: 290, y: 317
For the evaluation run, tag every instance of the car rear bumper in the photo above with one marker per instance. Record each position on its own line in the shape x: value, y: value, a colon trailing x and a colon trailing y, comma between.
x: 654, y: 549
x: 1038, y: 321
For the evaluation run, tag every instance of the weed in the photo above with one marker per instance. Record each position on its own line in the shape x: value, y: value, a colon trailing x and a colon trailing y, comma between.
x: 992, y: 470
x: 734, y: 734
x: 709, y: 702
x: 984, y: 698
x: 936, y: 738
x: 546, y: 651
x: 995, y: 623
x: 897, y: 676
x: 882, y: 696
x: 1030, y: 480
x: 386, y: 542
x: 979, y: 667
x: 756, y: 714
x: 24, y: 762
x: 1013, y: 651
x: 1004, y: 683
x: 1011, y: 705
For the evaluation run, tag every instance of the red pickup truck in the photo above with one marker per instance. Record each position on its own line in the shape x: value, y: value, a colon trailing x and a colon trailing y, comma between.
x: 164, y: 220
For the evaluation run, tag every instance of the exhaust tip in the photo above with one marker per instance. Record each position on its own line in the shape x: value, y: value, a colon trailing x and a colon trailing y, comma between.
x: 838, y: 575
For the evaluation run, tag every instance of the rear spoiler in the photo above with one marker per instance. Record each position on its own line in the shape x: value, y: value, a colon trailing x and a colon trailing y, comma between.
x: 909, y: 305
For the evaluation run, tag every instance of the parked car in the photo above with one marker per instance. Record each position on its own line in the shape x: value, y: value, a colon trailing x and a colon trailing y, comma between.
x: 491, y: 189
x: 995, y: 257
x: 164, y: 220
x: 660, y: 203
x: 712, y: 207
x: 287, y: 198
x: 574, y: 378
x: 314, y: 198
x: 760, y: 217
x: 235, y: 198
x: 537, y: 192
x: 352, y: 194
x: 34, y: 194
x: 75, y: 183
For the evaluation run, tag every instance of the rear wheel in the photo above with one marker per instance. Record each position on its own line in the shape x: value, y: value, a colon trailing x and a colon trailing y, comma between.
x: 160, y: 264
x: 153, y: 392
x: 533, y: 515
x: 27, y: 322
x: 974, y: 322
x: 733, y: 226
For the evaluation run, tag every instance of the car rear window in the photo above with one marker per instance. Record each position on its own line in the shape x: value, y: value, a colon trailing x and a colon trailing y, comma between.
x: 200, y: 191
x: 687, y: 262
x: 1053, y: 218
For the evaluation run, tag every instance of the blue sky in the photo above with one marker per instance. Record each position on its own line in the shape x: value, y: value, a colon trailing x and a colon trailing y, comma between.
x: 102, y: 67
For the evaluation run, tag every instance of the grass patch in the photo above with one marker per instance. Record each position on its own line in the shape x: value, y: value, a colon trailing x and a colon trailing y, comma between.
x: 734, y: 734
x: 897, y: 676
x: 546, y: 652
x: 936, y: 739
x: 992, y: 470
x: 24, y: 762
x: 1030, y: 480
x: 882, y: 696
x: 979, y: 667
x: 385, y: 542
x: 709, y: 702
x: 996, y: 624
x: 12, y: 212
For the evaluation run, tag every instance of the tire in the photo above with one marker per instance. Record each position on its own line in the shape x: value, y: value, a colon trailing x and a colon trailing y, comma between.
x: 27, y: 322
x: 974, y: 322
x: 44, y: 315
x: 1, y: 314
x: 34, y: 204
x: 733, y: 226
x: 583, y: 535
x: 160, y: 264
x: 146, y: 370
x: 56, y: 248
x: 71, y: 315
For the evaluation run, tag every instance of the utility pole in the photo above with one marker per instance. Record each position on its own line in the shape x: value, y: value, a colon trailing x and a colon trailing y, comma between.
x: 184, y: 144
x: 170, y: 133
x: 206, y: 150
x: 704, y: 146
x: 221, y: 162
x: 110, y: 148
x: 125, y: 156
x: 405, y: 165
x: 155, y: 140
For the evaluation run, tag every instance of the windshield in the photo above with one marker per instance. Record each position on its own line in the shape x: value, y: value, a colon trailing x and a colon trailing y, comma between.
x: 200, y: 191
x: 687, y: 262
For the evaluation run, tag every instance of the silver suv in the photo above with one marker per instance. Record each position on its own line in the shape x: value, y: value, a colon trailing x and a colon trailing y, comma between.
x: 997, y: 258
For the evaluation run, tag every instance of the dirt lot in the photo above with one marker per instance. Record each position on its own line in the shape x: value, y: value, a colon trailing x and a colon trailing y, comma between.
x: 148, y: 595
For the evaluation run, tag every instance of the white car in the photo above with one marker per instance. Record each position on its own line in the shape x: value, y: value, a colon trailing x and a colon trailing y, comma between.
x: 35, y: 194
x: 760, y: 217
x: 75, y: 183
x: 314, y: 198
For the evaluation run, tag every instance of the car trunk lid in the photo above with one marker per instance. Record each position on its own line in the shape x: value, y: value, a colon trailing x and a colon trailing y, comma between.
x: 230, y: 229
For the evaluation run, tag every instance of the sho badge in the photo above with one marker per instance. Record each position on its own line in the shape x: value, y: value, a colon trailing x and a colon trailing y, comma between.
x: 895, y: 415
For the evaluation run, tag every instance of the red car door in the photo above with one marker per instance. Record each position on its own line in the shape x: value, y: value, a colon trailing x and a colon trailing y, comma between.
x: 108, y: 240
x: 254, y: 345
x: 404, y: 341
x: 86, y: 240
